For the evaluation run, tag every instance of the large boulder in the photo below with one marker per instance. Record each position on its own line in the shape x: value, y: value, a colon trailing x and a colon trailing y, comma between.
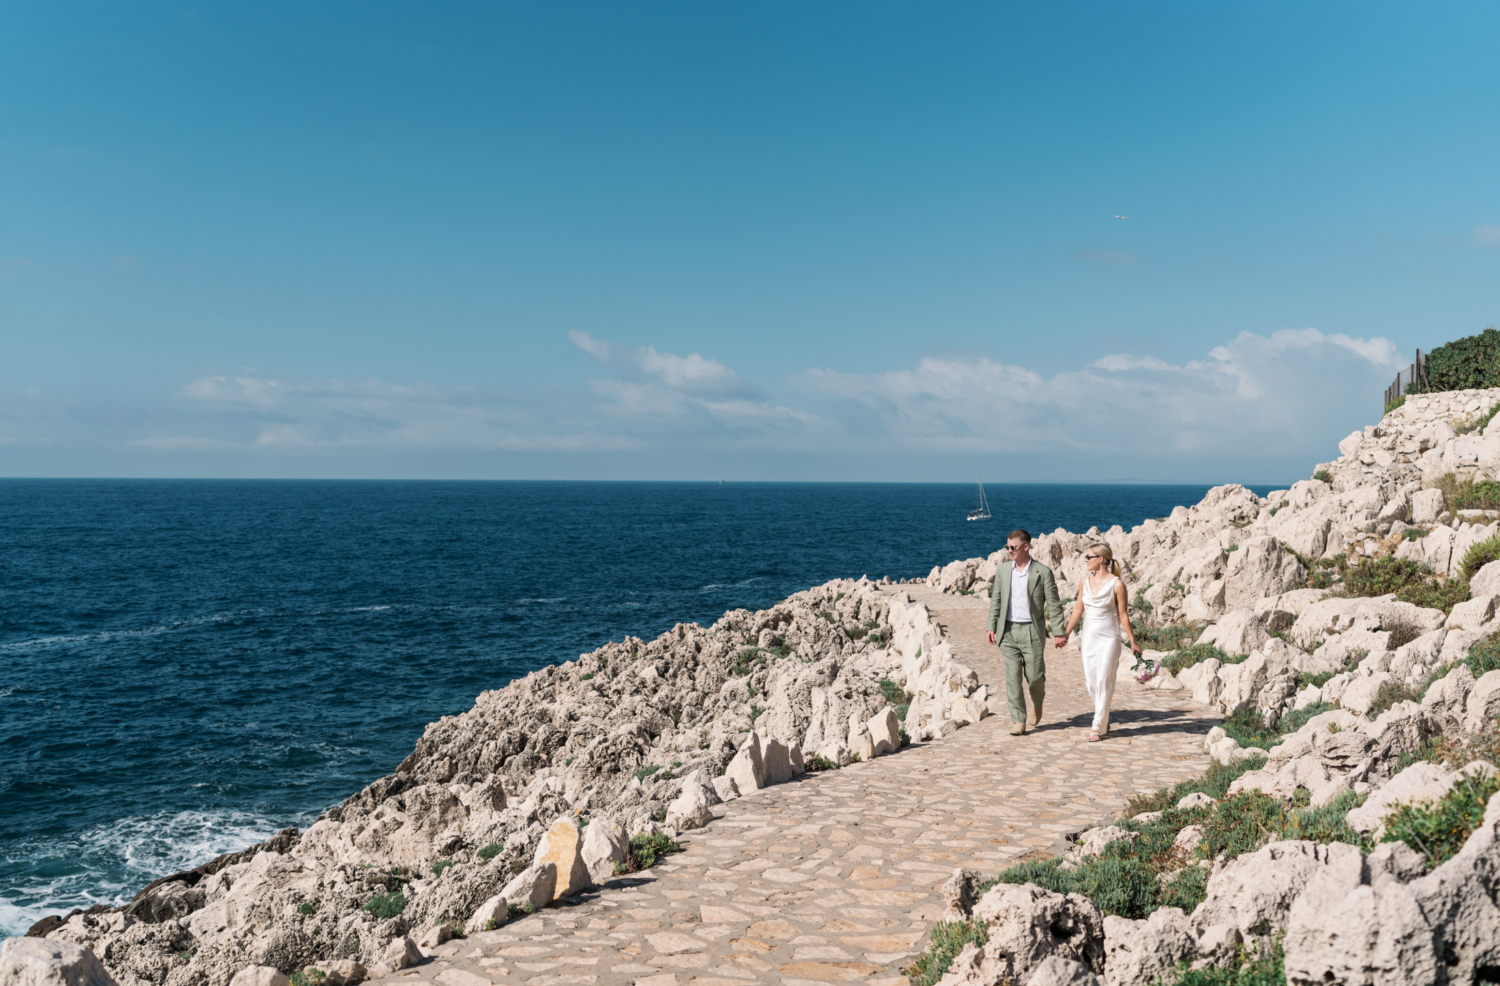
x: 1027, y: 923
x: 1254, y: 892
x: 1140, y: 953
x: 562, y: 847
x: 45, y: 962
x: 1237, y: 632
x: 748, y: 768
x: 693, y: 808
x: 1483, y: 705
x: 604, y: 845
x: 884, y: 729
x: 535, y: 885
x: 1260, y: 567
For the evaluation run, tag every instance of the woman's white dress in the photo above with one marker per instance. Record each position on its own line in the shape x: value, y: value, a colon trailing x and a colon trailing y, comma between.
x: 1100, y: 645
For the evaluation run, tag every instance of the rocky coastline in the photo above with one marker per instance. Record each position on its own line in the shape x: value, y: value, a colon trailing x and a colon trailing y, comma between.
x: 538, y: 791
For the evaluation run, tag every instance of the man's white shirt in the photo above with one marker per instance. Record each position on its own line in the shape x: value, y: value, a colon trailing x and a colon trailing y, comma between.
x: 1020, y: 608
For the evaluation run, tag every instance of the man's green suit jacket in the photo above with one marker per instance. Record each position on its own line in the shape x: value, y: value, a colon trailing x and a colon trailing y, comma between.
x: 1041, y: 595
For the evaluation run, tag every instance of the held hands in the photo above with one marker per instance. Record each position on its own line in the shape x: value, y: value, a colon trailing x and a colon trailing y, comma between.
x: 1061, y: 641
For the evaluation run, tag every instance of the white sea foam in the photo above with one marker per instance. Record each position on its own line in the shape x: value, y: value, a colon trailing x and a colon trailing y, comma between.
x: 108, y: 863
x: 38, y: 642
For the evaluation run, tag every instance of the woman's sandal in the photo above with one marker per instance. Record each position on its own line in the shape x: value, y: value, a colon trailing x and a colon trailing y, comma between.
x: 1093, y: 736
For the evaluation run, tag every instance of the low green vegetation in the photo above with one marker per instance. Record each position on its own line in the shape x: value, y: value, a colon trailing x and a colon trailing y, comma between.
x: 305, y: 908
x: 308, y: 977
x: 1390, y: 693
x: 1398, y: 402
x: 1439, y: 829
x: 1174, y: 636
x: 1480, y: 555
x: 588, y: 676
x: 818, y: 762
x: 1322, y: 476
x: 1197, y: 654
x: 386, y: 906
x: 646, y: 772
x: 519, y: 910
x: 1482, y: 658
x: 440, y: 866
x: 490, y: 851
x: 645, y: 850
x: 947, y: 939
x: 1410, y: 581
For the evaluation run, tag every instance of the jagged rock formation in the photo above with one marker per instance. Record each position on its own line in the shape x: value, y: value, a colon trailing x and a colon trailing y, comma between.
x: 488, y: 813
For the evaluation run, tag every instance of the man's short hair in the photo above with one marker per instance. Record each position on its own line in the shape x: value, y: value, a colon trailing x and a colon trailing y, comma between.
x: 1019, y: 535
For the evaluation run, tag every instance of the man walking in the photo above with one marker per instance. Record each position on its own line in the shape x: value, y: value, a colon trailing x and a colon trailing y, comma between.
x: 1023, y: 602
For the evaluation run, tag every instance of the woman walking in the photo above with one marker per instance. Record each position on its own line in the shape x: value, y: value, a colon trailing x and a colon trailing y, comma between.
x: 1104, y: 607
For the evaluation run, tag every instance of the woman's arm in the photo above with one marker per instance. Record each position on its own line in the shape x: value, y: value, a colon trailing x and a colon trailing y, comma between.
x: 1077, y: 613
x: 1122, y: 603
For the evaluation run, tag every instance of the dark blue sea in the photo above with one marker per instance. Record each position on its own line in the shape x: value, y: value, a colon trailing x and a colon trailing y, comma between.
x: 186, y: 666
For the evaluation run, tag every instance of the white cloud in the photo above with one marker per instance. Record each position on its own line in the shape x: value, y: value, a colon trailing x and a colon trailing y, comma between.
x: 1256, y: 395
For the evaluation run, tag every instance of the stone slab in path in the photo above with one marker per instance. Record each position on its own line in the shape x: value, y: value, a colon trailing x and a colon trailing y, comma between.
x: 833, y: 877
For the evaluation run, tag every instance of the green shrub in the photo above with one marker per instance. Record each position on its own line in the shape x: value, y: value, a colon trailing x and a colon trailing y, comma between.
x: 1398, y: 402
x: 646, y: 772
x: 893, y: 692
x: 1388, y: 694
x: 492, y: 923
x: 1410, y: 581
x: 386, y: 906
x: 586, y: 677
x: 1439, y: 829
x: 1297, y: 718
x: 519, y: 910
x: 308, y: 977
x: 1187, y: 890
x: 1116, y: 884
x: 1479, y: 556
x: 1243, y: 824
x: 490, y: 851
x: 1482, y: 658
x: 1322, y: 476
x: 1214, y: 782
x: 818, y: 762
x: 1197, y: 654
x: 947, y: 939
x: 1467, y: 363
x: 440, y: 866
x: 1171, y: 637
x: 646, y: 849
x: 305, y: 908
x: 1415, y: 533
x: 1246, y: 729
x: 1327, y: 823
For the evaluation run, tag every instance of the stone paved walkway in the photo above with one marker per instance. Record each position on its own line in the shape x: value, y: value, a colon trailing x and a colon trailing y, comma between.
x: 834, y: 876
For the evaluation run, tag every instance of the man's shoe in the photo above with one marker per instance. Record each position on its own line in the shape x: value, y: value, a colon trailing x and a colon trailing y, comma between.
x: 1018, y: 729
x: 1036, y: 713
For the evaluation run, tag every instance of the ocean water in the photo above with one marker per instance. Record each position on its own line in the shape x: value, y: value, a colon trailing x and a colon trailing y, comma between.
x: 186, y: 666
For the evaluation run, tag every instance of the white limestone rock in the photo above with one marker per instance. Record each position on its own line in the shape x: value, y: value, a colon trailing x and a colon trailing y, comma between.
x: 562, y: 848
x: 693, y: 808
x: 604, y: 845
x: 252, y: 975
x: 46, y: 962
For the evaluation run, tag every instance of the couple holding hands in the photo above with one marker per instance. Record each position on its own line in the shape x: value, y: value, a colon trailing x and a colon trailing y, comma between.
x: 1024, y: 603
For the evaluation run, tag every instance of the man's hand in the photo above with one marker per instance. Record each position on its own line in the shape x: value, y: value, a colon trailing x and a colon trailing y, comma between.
x: 990, y: 637
x: 1060, y: 642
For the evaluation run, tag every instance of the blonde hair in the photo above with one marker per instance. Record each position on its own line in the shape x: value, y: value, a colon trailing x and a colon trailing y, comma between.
x: 1103, y: 551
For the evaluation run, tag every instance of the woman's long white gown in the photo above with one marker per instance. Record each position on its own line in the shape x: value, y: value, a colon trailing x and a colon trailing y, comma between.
x: 1100, y: 645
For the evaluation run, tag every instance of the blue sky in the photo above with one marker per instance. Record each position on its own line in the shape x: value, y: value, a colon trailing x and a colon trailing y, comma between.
x: 745, y: 241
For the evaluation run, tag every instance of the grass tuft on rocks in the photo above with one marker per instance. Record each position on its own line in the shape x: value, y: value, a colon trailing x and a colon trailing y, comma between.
x: 948, y: 938
x: 440, y: 866
x: 645, y: 850
x: 1197, y: 654
x: 1480, y: 555
x: 387, y: 906
x: 1454, y: 752
x: 818, y: 762
x: 1388, y: 694
x: 490, y: 851
x: 1482, y: 658
x: 1438, y: 829
x: 1214, y: 783
x: 1409, y: 581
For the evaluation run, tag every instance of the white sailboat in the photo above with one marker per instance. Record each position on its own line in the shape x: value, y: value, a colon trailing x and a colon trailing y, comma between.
x: 983, y: 513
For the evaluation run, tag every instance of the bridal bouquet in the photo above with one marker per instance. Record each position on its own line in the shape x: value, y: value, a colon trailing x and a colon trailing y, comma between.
x: 1143, y: 670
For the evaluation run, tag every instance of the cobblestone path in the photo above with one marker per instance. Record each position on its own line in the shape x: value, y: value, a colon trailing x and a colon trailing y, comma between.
x: 834, y: 876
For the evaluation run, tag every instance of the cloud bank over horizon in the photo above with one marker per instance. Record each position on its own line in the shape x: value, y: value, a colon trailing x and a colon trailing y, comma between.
x: 1257, y: 401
